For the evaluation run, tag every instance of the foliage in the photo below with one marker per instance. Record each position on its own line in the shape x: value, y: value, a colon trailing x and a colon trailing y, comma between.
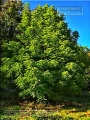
x: 45, y: 62
x: 10, y: 15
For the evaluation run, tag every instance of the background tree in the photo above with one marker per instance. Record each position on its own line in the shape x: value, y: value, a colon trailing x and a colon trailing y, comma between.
x: 10, y: 16
x: 45, y: 62
x: 87, y: 70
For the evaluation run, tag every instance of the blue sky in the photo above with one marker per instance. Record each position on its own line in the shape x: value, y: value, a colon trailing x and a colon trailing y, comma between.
x: 80, y: 22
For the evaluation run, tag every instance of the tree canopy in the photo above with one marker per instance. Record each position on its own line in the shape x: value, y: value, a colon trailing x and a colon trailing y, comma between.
x: 44, y: 60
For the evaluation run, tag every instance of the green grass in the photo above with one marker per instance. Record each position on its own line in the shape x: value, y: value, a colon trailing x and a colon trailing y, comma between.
x: 72, y: 108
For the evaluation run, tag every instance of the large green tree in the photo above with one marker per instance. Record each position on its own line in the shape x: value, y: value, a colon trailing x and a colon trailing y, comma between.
x: 45, y: 62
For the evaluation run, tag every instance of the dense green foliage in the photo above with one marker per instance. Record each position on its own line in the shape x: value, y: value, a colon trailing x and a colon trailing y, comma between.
x: 44, y: 60
x: 9, y: 18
